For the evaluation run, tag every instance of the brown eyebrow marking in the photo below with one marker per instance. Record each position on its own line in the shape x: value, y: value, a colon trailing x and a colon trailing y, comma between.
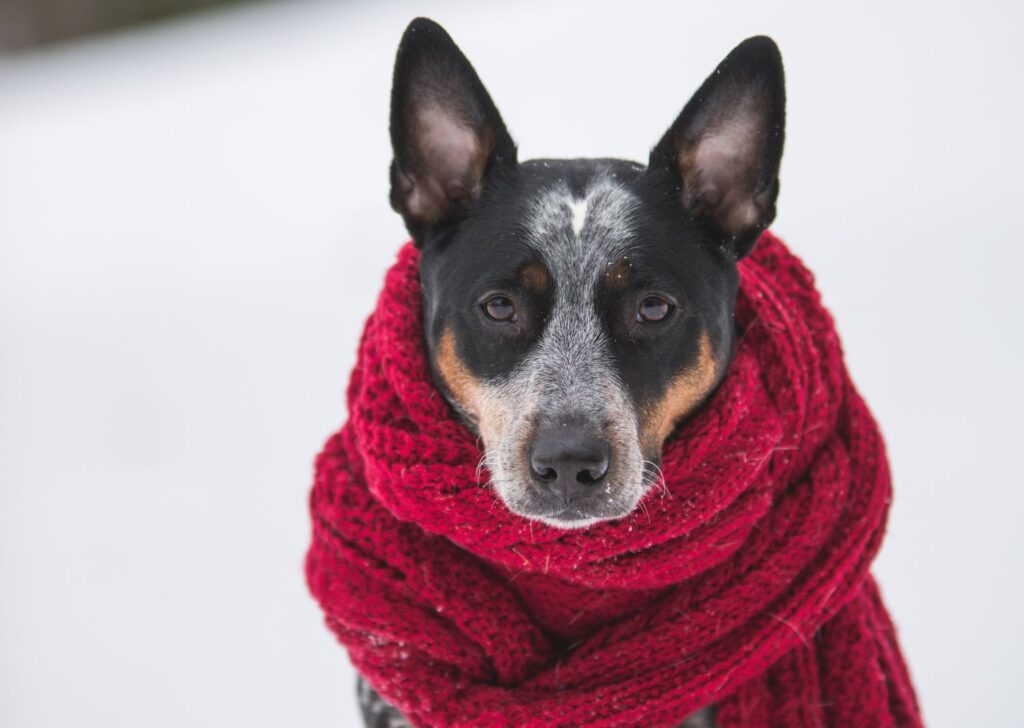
x: 616, y: 274
x: 682, y: 395
x: 535, y: 276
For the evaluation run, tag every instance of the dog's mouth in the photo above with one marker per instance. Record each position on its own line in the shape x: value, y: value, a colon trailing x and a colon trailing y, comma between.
x: 573, y: 514
x: 608, y: 500
x: 571, y: 520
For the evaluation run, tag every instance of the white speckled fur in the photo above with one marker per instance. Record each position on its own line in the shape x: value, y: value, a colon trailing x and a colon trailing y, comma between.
x: 570, y: 369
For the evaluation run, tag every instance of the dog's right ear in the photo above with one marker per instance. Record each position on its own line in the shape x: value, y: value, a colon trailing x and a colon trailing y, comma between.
x: 447, y: 136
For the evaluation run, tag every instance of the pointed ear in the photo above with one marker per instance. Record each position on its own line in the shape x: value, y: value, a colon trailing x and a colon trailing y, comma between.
x: 724, y: 149
x: 446, y: 133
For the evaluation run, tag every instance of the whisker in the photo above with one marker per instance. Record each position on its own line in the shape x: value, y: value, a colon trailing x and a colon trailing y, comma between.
x: 646, y: 512
x: 657, y: 475
x: 480, y: 467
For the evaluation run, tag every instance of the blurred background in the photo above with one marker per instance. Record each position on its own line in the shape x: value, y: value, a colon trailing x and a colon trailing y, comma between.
x: 28, y: 23
x: 194, y: 225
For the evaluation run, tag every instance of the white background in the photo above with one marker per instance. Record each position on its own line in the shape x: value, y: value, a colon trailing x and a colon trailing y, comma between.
x: 194, y: 223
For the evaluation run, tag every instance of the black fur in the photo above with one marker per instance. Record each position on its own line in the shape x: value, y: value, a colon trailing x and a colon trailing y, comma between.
x: 430, y: 70
x: 753, y: 70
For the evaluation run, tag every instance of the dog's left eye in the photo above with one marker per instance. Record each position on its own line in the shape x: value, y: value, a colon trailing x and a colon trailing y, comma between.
x: 653, y: 309
x: 500, y: 308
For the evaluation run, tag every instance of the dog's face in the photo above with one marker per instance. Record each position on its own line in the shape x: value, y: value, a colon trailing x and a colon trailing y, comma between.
x: 576, y: 311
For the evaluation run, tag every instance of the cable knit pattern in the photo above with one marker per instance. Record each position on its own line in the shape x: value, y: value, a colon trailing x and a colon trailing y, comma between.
x: 744, y: 583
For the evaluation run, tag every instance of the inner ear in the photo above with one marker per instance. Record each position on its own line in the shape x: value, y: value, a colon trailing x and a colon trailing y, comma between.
x: 446, y: 165
x: 446, y: 133
x: 722, y: 170
x: 726, y: 146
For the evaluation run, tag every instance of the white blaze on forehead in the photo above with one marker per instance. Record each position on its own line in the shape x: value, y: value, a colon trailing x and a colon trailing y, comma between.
x: 579, y: 214
x: 579, y: 229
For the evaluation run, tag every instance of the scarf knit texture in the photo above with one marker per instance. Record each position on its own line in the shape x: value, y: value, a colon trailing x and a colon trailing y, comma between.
x: 744, y: 583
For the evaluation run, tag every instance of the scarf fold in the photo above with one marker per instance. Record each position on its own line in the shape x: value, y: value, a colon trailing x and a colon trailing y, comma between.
x: 742, y: 582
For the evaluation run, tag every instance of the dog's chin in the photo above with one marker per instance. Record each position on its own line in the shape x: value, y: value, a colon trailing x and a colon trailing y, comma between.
x: 572, y: 515
x: 568, y: 523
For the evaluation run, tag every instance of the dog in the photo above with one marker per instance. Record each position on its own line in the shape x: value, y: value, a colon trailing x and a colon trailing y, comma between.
x: 576, y: 312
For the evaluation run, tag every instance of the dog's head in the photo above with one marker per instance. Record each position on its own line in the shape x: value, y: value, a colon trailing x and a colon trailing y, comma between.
x: 576, y: 311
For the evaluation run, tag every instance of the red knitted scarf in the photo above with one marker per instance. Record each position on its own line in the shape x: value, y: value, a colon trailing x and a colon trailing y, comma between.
x: 744, y: 584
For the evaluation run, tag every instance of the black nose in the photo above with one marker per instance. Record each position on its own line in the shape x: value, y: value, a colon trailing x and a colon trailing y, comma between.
x: 568, y: 459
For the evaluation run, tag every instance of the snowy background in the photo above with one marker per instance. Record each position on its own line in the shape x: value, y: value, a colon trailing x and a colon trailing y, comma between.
x: 194, y: 224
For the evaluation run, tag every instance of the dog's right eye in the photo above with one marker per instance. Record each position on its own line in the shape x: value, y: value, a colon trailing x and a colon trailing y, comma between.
x: 500, y: 308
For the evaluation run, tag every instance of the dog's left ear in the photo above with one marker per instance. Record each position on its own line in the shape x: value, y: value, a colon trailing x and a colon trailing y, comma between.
x: 447, y: 136
x: 724, y: 149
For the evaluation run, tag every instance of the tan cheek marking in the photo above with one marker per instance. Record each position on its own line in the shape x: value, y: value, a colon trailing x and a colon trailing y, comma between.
x: 683, y: 394
x: 467, y: 391
x: 616, y: 275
